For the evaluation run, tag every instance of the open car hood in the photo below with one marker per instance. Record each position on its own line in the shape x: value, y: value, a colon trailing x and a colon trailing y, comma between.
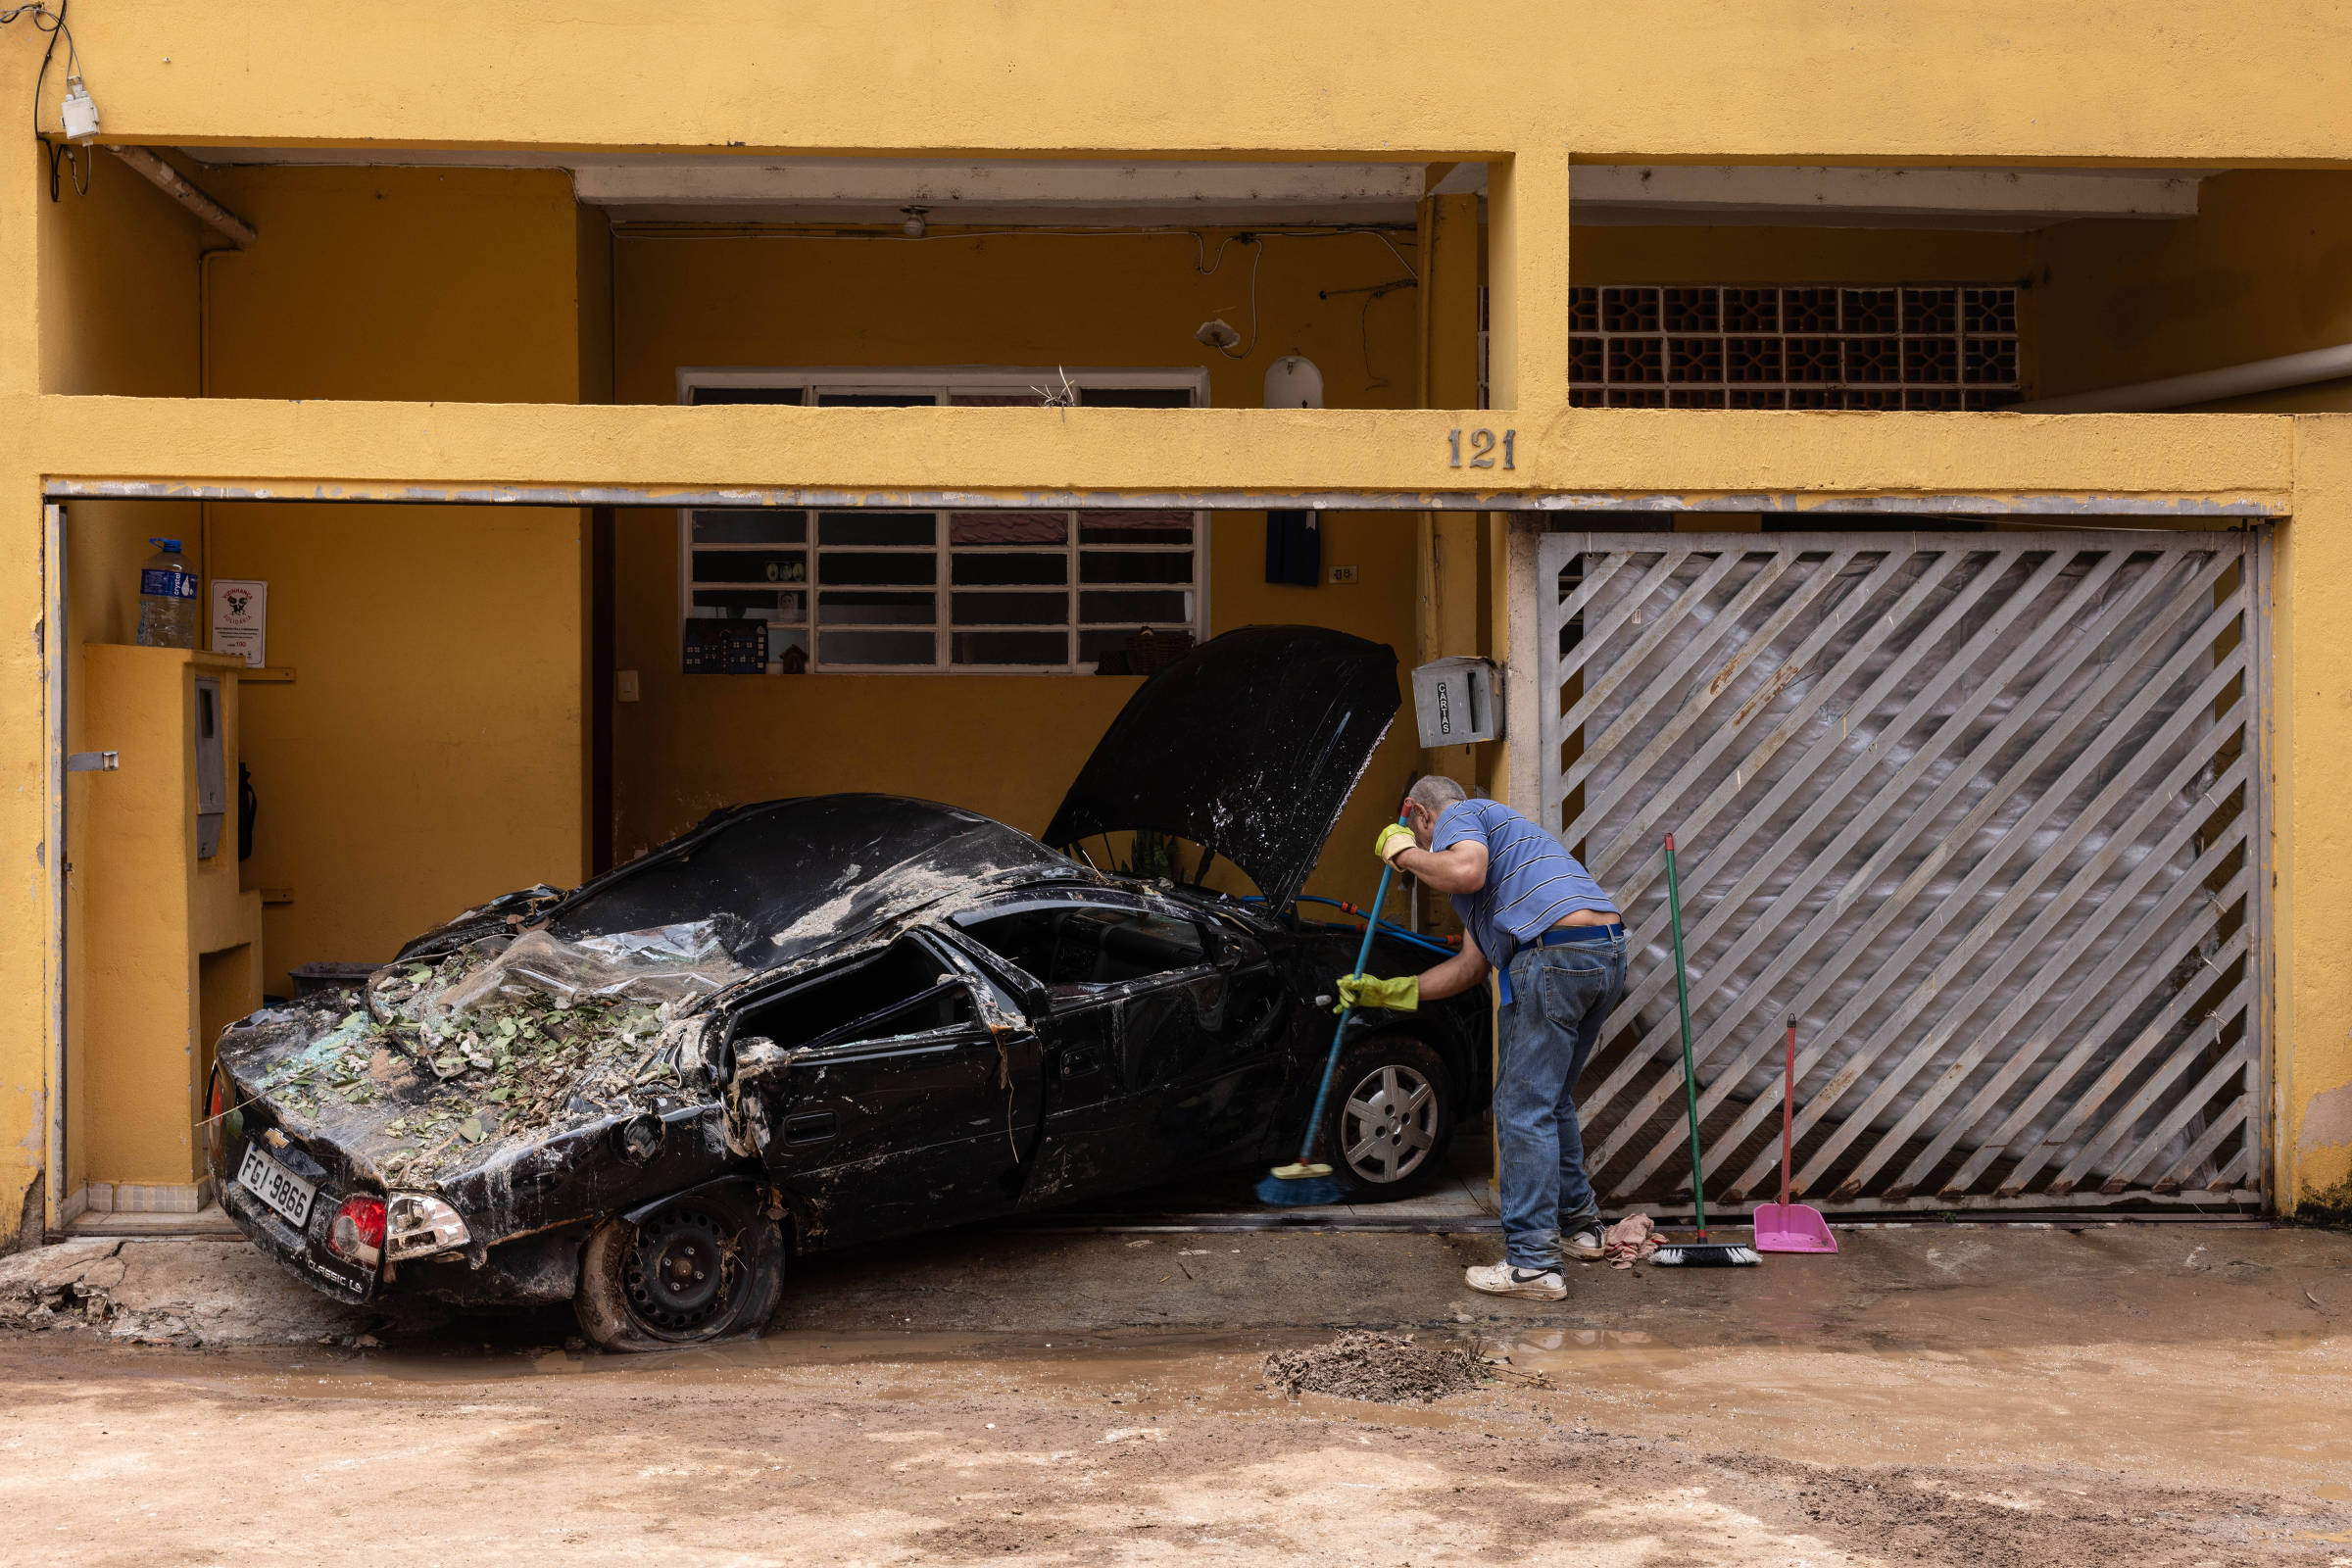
x: 1249, y: 746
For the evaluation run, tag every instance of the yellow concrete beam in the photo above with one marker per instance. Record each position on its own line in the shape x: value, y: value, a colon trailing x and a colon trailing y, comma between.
x: 376, y: 450
x: 1947, y: 80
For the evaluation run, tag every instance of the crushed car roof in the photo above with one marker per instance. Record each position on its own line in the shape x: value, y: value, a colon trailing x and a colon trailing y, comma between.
x: 792, y: 877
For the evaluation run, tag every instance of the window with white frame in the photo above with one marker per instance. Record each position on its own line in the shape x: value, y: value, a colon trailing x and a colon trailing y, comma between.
x: 872, y: 589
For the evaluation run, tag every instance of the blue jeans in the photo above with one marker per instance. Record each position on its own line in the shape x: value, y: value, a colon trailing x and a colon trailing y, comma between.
x: 1560, y: 996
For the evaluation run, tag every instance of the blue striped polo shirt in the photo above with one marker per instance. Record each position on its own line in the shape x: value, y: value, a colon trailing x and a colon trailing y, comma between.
x: 1532, y: 882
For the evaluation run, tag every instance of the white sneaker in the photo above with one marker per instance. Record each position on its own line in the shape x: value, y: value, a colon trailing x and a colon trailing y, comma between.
x: 1501, y: 1279
x: 1586, y: 1243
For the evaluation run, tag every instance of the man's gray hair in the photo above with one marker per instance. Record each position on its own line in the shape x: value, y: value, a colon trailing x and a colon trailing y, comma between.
x: 1435, y: 793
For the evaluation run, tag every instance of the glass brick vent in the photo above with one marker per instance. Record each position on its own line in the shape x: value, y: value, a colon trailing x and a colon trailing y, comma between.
x: 1932, y: 346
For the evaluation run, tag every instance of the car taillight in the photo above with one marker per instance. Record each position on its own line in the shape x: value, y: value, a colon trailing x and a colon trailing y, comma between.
x: 223, y: 1128
x: 358, y: 1231
x: 421, y: 1225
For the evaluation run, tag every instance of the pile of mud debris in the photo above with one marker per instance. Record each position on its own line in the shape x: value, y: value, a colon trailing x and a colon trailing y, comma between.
x: 36, y: 1306
x: 1384, y: 1368
x: 182, y: 1292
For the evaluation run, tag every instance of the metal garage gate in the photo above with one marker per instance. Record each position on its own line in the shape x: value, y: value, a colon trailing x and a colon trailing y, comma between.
x: 1983, y: 810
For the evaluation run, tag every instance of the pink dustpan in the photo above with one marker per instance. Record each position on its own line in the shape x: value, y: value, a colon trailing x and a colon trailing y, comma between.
x: 1792, y: 1228
x: 1786, y: 1227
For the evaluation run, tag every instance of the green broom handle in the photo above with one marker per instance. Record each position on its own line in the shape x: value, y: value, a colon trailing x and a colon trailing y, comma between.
x: 1682, y: 998
x: 1363, y: 955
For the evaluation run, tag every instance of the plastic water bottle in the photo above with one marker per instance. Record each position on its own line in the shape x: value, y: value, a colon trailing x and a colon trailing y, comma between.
x: 166, y: 598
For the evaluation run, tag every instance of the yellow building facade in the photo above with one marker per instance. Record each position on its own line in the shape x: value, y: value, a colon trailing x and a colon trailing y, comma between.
x: 440, y: 397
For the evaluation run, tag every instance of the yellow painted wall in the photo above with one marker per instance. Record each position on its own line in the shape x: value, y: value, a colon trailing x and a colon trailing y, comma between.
x: 1788, y: 79
x: 430, y: 752
x: 117, y: 269
x: 1795, y: 79
x: 139, y: 1080
x: 2312, y: 694
x: 2263, y: 268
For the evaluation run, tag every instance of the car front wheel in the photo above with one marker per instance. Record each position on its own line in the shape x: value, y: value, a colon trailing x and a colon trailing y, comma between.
x: 703, y: 1267
x: 1391, y: 1116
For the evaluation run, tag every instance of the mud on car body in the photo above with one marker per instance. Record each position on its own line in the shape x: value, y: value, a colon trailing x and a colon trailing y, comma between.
x: 818, y: 1022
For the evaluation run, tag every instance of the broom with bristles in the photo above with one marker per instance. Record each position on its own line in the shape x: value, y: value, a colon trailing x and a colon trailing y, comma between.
x: 1702, y: 1253
x: 1307, y: 1181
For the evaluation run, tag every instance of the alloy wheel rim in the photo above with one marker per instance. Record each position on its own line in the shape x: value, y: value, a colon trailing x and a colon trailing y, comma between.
x: 1388, y: 1124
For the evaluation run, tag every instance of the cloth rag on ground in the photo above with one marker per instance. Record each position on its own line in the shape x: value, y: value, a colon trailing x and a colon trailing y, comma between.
x: 1629, y: 1240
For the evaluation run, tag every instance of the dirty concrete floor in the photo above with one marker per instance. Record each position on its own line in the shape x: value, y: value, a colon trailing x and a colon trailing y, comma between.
x: 1966, y: 1395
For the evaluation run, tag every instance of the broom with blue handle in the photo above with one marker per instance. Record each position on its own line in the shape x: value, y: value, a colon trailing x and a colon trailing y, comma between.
x: 1306, y: 1182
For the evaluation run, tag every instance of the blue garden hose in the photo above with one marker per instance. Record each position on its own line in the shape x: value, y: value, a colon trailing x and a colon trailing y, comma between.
x: 1388, y: 928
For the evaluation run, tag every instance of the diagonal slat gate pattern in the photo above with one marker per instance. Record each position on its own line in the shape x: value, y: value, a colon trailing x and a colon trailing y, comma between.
x: 1983, y: 811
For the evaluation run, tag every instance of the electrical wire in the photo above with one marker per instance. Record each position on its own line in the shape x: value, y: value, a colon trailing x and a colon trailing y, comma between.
x: 1256, y: 260
x: 57, y: 151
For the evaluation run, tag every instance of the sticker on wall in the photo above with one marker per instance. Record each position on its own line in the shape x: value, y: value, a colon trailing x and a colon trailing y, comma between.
x: 241, y: 620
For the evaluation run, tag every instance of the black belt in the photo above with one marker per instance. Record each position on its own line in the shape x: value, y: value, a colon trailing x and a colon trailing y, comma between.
x: 1579, y: 933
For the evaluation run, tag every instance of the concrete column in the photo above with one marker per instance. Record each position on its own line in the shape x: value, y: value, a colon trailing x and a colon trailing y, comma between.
x: 2311, y: 835
x: 29, y: 974
x: 26, y: 919
x: 1527, y: 290
x: 1447, y: 567
x: 1527, y: 374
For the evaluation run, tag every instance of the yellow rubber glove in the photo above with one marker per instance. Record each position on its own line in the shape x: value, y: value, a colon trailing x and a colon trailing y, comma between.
x: 1393, y: 838
x: 1400, y: 995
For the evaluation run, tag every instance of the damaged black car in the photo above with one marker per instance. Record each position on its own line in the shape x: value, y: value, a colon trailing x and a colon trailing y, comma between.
x: 812, y: 1023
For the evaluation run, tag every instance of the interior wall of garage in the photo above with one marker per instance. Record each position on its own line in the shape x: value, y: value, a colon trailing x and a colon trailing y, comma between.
x: 429, y: 751
x: 2264, y: 268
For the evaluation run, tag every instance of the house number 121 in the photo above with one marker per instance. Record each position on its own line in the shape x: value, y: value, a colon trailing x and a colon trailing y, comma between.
x: 1482, y: 449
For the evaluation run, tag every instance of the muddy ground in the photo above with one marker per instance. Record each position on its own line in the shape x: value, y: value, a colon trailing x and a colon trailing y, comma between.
x: 1965, y: 1395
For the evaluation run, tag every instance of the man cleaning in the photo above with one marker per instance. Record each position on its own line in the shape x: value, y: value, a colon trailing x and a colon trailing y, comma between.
x: 1535, y: 915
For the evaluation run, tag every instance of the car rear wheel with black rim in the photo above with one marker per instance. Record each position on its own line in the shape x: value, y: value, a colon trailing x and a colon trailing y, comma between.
x: 1392, y: 1114
x: 703, y: 1267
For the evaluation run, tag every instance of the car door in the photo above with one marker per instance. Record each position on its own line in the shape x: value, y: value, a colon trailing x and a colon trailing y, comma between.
x: 1160, y: 1039
x: 896, y: 1092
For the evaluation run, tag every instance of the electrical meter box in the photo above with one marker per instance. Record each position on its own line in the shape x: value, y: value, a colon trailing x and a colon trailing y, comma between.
x: 1459, y: 700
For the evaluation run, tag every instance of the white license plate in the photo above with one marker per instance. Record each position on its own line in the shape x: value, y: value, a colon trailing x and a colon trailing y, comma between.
x: 265, y: 1179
